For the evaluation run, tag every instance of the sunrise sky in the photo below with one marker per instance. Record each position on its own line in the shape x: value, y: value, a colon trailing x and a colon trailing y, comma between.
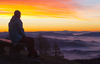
x: 52, y: 15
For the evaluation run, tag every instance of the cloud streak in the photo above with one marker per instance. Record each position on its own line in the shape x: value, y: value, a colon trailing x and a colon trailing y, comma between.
x: 51, y: 8
x: 72, y: 9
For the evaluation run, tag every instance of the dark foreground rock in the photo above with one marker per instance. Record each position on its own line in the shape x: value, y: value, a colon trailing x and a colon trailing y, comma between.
x: 5, y: 59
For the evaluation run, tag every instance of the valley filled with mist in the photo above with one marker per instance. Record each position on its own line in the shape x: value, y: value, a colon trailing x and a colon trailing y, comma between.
x: 73, y: 44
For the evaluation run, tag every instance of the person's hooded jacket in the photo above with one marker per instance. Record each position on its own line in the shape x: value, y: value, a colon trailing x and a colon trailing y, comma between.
x: 16, y: 30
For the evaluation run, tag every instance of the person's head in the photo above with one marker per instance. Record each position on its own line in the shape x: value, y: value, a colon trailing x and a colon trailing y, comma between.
x: 17, y: 13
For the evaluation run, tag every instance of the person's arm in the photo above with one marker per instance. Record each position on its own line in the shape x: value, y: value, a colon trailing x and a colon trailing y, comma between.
x: 20, y: 28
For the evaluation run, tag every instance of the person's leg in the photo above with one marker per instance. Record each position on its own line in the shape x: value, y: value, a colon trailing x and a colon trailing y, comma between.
x: 30, y: 45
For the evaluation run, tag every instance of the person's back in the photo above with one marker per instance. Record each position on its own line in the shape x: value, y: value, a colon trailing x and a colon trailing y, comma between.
x: 16, y: 31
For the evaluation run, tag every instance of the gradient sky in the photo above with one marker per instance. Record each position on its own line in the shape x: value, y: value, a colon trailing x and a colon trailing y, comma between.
x: 52, y: 15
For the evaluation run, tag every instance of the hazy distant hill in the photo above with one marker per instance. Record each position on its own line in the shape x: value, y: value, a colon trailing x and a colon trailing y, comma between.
x: 55, y: 34
x: 94, y: 34
x: 77, y: 43
x: 68, y: 43
x: 75, y: 51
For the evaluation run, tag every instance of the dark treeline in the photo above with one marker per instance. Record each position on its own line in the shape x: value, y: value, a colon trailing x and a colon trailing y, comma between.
x: 45, y: 48
x: 89, y: 61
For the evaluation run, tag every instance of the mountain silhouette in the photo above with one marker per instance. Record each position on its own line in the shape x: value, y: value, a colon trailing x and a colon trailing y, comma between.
x: 91, y: 34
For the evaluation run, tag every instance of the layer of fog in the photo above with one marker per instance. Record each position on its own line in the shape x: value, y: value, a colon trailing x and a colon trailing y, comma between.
x: 73, y: 47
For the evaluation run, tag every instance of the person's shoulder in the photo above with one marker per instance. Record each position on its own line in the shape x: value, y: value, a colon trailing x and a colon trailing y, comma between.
x: 18, y: 20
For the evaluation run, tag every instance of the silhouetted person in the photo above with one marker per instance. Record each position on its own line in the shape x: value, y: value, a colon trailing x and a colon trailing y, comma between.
x: 17, y: 34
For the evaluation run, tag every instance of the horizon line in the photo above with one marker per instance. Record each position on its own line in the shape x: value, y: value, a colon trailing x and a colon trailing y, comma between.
x: 56, y: 31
